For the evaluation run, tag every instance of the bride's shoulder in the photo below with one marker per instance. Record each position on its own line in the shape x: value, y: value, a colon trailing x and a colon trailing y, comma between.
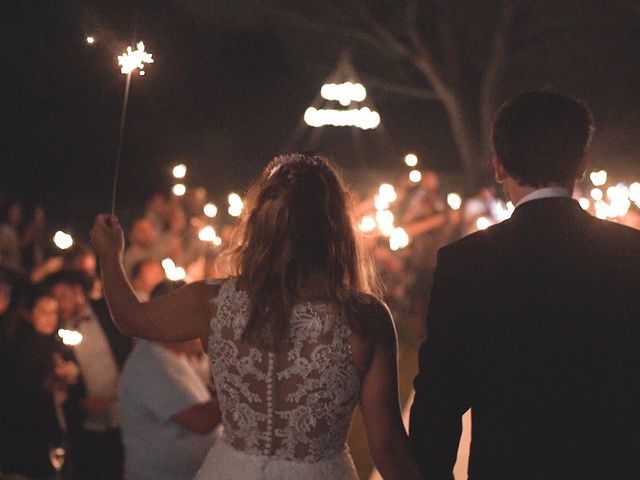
x: 369, y: 314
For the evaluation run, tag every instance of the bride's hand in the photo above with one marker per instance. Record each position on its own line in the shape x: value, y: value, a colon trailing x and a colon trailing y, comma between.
x: 107, y: 237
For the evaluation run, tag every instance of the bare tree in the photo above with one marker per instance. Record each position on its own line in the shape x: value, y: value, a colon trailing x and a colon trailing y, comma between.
x: 428, y: 36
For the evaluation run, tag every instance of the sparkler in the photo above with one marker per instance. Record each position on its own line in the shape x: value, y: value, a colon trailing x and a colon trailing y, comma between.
x: 129, y: 61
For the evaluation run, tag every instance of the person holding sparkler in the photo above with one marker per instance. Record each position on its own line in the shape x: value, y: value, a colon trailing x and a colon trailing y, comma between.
x: 296, y: 335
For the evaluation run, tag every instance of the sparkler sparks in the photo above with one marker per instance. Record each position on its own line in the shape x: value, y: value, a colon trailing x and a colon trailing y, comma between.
x: 132, y: 59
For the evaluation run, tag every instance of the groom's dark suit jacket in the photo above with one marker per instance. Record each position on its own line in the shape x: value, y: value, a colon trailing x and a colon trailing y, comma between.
x: 534, y: 324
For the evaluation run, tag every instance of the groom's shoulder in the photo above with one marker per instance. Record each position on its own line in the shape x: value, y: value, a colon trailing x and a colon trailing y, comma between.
x: 474, y: 251
x: 480, y: 241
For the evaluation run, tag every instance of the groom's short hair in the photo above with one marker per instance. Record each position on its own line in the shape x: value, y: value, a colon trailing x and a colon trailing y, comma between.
x: 540, y: 137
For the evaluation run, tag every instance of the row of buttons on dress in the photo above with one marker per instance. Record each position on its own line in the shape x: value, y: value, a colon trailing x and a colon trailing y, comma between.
x: 270, y: 373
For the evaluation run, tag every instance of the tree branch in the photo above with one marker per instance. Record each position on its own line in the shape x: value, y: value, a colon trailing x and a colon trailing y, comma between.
x: 385, y: 35
x: 502, y: 39
x: 424, y: 60
x: 400, y: 89
x: 284, y: 15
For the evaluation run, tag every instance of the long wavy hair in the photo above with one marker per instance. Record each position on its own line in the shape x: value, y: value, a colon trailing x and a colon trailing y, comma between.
x: 296, y: 223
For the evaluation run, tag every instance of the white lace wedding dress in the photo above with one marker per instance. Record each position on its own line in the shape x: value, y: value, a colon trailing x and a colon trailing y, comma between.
x: 286, y: 415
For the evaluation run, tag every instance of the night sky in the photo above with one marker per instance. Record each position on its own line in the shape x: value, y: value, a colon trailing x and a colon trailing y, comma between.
x: 230, y: 84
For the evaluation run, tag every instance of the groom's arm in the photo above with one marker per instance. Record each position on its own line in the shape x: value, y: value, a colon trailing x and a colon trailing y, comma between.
x: 441, y: 385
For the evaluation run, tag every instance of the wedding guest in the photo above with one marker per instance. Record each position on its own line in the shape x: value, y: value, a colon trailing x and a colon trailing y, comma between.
x: 34, y: 244
x: 295, y: 336
x: 145, y: 275
x: 168, y: 414
x: 10, y: 221
x: 142, y: 239
x: 94, y: 426
x: 36, y: 375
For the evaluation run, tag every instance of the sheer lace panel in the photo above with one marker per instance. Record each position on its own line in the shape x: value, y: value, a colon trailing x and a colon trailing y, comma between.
x: 295, y: 404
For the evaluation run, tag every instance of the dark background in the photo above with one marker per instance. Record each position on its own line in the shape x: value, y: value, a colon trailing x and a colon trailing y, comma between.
x: 230, y: 84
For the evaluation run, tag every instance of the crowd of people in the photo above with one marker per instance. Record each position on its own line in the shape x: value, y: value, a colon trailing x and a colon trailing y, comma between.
x: 74, y: 386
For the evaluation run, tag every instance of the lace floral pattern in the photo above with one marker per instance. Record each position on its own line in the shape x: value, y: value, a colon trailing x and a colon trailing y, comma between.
x: 295, y: 404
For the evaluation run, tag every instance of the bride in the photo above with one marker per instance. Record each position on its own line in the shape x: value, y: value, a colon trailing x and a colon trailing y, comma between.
x: 296, y: 336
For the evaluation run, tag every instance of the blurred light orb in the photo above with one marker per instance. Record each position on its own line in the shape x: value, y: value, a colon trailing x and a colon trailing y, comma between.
x: 210, y: 210
x: 217, y: 241
x: 179, y: 189
x: 345, y: 93
x: 379, y: 202
x: 584, y: 203
x: 482, y: 223
x: 363, y: 118
x: 398, y: 239
x: 634, y: 192
x: 91, y: 40
x: 598, y: 178
x: 596, y: 194
x: 234, y: 199
x: 367, y: 224
x: 454, y: 201
x: 207, y: 234
x: 179, y: 171
x: 415, y: 176
x: 602, y: 209
x: 384, y: 219
x: 172, y: 272
x: 411, y: 160
x: 70, y: 337
x: 387, y: 192
x: 62, y: 240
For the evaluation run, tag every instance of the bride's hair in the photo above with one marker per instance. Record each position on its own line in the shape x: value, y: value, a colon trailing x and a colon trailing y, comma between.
x: 296, y: 222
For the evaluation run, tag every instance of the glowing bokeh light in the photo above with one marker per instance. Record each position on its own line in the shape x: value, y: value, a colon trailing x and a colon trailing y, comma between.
x: 598, y: 178
x: 345, y: 93
x: 91, y: 40
x: 398, y: 239
x: 210, y: 210
x: 207, y: 234
x: 179, y: 171
x: 384, y: 219
x: 173, y: 272
x: 70, y: 337
x: 584, y: 203
x: 482, y: 223
x: 367, y: 224
x: 415, y: 176
x: 363, y: 118
x: 179, y: 189
x: 63, y: 240
x: 454, y: 201
x: 596, y: 194
x: 387, y: 192
x: 411, y: 160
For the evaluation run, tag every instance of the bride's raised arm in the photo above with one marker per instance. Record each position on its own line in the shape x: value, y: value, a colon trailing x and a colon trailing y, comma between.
x: 387, y: 437
x: 181, y: 315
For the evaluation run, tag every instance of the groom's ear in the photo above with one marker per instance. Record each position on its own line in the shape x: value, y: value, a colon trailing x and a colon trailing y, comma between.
x: 499, y: 171
x: 582, y: 167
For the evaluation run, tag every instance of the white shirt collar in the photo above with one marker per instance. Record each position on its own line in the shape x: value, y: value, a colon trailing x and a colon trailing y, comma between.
x: 546, y: 192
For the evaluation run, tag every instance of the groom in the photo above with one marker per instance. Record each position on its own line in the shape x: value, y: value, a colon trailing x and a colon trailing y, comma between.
x: 534, y: 324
